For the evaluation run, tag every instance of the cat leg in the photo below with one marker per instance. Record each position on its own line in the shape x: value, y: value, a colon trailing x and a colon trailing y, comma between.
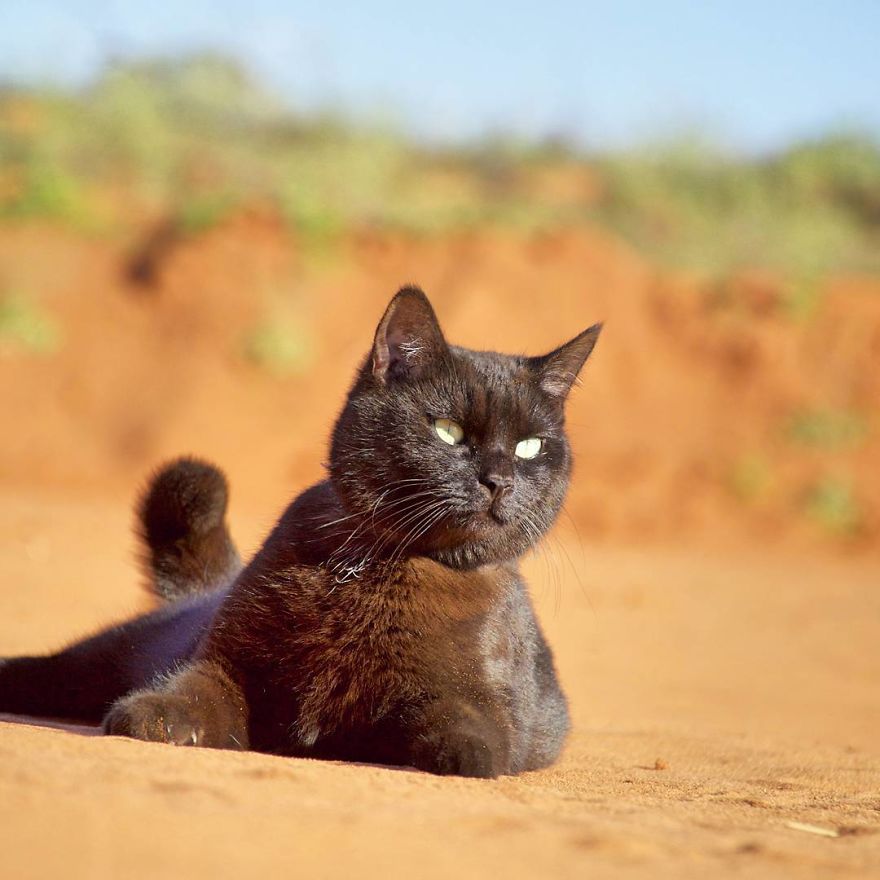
x: 550, y: 722
x: 549, y: 731
x: 198, y: 706
x: 456, y: 738
x: 82, y: 681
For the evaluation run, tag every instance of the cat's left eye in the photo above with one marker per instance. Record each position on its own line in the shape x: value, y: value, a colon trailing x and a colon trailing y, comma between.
x: 448, y: 431
x: 529, y: 447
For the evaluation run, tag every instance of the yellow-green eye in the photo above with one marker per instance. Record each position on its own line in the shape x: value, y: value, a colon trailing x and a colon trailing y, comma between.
x: 448, y: 431
x: 529, y: 447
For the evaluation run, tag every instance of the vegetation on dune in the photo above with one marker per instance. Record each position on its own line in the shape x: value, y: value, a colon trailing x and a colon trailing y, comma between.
x: 811, y: 209
x: 827, y: 428
x: 195, y: 137
x: 279, y: 345
x: 831, y: 502
x: 24, y: 327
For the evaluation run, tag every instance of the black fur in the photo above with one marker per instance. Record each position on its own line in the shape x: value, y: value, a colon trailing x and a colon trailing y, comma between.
x: 385, y: 618
x: 188, y: 549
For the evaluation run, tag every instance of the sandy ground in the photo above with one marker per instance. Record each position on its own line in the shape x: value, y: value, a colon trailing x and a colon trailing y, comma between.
x: 717, y: 699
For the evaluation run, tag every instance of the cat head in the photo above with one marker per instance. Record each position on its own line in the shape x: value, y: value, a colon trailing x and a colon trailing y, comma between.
x: 455, y: 454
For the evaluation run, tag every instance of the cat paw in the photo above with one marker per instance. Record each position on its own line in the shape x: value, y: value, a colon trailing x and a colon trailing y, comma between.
x: 155, y: 718
x: 457, y: 753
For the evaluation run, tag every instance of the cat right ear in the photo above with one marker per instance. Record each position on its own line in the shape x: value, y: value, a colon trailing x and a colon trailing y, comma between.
x: 408, y: 337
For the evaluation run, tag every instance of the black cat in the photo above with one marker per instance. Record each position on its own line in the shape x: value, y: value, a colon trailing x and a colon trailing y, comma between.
x: 384, y: 619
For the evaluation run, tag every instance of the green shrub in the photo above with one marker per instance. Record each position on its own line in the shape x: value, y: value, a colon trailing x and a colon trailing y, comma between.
x: 831, y: 503
x: 24, y: 327
x: 280, y: 346
x: 751, y: 477
x: 199, y: 214
x: 827, y: 429
x: 47, y: 190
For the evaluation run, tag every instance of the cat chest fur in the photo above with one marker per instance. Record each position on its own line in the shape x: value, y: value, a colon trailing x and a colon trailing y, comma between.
x: 361, y: 653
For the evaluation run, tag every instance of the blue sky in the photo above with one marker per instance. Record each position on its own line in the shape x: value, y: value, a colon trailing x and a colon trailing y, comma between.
x: 754, y: 75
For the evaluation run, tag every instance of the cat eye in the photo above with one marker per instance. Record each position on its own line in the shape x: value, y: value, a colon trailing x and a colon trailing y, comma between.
x: 448, y: 431
x: 529, y: 447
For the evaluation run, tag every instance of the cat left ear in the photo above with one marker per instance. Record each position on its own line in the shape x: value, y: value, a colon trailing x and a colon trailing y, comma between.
x: 558, y: 371
x: 408, y: 337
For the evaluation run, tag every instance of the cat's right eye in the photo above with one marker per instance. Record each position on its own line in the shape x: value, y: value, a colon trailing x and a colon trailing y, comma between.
x: 448, y: 431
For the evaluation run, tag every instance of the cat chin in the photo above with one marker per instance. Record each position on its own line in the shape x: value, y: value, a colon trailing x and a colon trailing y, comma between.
x: 475, y: 555
x: 486, y: 542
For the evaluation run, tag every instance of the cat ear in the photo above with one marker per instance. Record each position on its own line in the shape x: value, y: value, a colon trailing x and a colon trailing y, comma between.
x: 408, y: 337
x: 558, y: 371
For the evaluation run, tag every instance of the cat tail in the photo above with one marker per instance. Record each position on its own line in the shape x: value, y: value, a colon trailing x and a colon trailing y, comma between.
x: 188, y: 557
x: 182, y: 523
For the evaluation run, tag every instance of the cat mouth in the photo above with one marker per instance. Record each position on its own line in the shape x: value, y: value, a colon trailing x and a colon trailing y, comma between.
x: 494, y: 514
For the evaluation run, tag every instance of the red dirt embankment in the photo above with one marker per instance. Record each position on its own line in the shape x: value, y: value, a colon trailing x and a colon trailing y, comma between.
x: 683, y: 426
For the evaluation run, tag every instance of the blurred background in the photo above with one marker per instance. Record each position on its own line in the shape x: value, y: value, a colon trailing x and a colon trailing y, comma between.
x: 204, y: 209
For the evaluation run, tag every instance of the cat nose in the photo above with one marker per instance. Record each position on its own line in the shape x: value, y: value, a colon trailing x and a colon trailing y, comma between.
x: 498, y: 481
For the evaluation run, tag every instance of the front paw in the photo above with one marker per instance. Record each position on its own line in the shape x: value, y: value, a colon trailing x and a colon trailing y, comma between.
x: 457, y: 753
x: 156, y: 718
